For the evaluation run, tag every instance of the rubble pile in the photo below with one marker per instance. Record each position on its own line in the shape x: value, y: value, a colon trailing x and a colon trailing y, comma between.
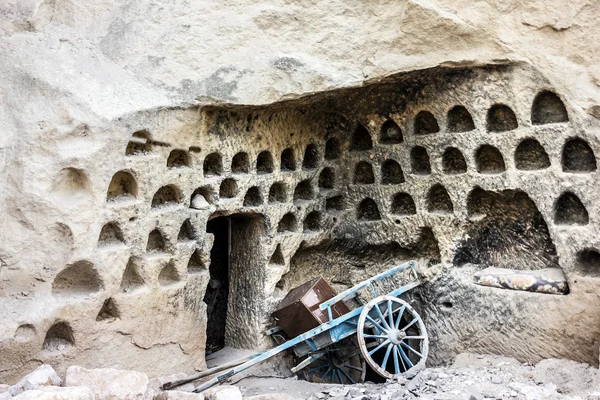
x: 478, y: 377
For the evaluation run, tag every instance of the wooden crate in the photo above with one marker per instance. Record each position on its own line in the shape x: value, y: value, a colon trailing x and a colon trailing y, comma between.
x: 299, y: 311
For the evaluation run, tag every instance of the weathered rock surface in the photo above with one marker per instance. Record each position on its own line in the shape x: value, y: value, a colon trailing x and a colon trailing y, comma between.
x: 57, y: 393
x: 82, y: 283
x: 108, y: 383
x: 178, y: 395
x: 223, y: 393
x: 44, y: 375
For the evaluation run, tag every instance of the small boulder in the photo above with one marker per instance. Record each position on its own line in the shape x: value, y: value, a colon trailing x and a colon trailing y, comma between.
x: 44, y: 375
x: 223, y: 393
x: 56, y: 393
x: 109, y: 383
x: 200, y: 203
x: 178, y: 395
x: 272, y: 396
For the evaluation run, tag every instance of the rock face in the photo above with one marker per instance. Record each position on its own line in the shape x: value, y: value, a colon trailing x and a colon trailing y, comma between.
x: 109, y: 384
x: 44, y: 375
x: 57, y: 393
x: 223, y: 393
x: 463, y: 135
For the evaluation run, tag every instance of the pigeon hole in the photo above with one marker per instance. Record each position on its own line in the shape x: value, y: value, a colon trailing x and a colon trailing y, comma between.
x: 122, y: 186
x: 453, y: 162
x: 367, y: 210
x: 419, y: 161
x: 391, y: 173
x: 288, y: 160
x: 278, y: 193
x: 363, y: 174
x: 460, y: 120
x: 240, y: 164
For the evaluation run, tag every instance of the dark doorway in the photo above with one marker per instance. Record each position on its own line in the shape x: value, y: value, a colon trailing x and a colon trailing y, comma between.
x: 218, y: 287
x: 236, y: 290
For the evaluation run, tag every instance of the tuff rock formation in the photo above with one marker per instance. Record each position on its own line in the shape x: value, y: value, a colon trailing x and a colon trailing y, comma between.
x: 333, y: 138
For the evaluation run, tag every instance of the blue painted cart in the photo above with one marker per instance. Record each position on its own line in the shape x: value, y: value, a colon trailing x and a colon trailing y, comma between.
x: 390, y: 337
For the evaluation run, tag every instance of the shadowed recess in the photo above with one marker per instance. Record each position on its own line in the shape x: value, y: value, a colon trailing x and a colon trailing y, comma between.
x: 213, y: 165
x: 548, y: 108
x: 132, y: 279
x: 122, y: 186
x: 312, y: 222
x: 438, y: 200
x: 110, y: 234
x: 531, y: 156
x: 391, y: 173
x: 168, y: 275
x: 587, y: 262
x: 140, y: 143
x: 228, y: 188
x: 326, y: 178
x: 264, y: 162
x: 156, y: 242
x: 489, y: 160
x: 363, y: 174
x: 460, y: 120
x: 361, y: 139
x: 277, y: 257
x: 419, y: 161
x: 367, y: 210
x: 403, y: 204
x: 253, y: 197
x: 288, y: 160
x: 347, y: 262
x: 109, y: 311
x: 506, y: 231
x: 195, y: 264
x: 578, y: 156
x: 166, y: 196
x: 205, y: 191
x: 335, y: 203
x: 453, y: 162
x: 332, y: 149
x: 500, y: 118
x: 59, y: 337
x: 278, y: 193
x: 79, y: 278
x: 288, y: 223
x: 304, y: 191
x: 569, y: 210
x: 425, y: 123
x: 186, y: 232
x: 390, y: 133
x: 72, y: 182
x: 178, y: 159
x: 311, y: 157
x: 240, y: 164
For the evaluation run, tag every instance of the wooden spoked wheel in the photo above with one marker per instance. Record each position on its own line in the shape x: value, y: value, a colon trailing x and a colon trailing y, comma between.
x: 340, y: 363
x: 392, y: 337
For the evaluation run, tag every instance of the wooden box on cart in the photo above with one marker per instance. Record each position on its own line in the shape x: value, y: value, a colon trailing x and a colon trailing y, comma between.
x: 299, y: 311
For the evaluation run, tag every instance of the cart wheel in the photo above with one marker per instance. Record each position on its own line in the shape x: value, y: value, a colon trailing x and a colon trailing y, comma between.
x: 340, y: 363
x: 392, y: 337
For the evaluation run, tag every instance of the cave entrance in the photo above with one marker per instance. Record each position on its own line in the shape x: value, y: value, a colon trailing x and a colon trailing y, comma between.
x: 235, y: 290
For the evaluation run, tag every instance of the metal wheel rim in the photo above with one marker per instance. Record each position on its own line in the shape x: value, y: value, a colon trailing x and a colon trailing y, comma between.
x: 374, y: 336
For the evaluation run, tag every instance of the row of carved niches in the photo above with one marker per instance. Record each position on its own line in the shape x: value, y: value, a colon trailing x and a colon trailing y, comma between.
x: 530, y: 155
x: 568, y: 208
x: 547, y: 108
x: 213, y: 164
